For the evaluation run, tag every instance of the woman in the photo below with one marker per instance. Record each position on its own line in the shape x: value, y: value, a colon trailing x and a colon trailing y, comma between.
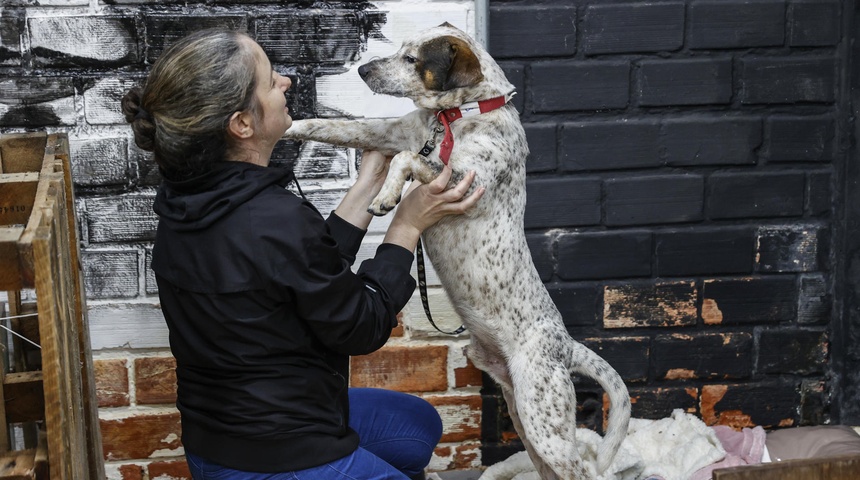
x: 256, y: 287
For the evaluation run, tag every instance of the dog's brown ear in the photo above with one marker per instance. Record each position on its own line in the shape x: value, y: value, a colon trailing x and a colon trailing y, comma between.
x: 448, y: 63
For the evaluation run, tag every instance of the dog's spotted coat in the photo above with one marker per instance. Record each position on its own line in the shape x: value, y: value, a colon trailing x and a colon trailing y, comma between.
x: 482, y: 259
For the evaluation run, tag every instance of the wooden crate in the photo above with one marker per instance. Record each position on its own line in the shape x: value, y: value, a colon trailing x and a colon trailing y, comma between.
x: 833, y: 468
x: 39, y: 251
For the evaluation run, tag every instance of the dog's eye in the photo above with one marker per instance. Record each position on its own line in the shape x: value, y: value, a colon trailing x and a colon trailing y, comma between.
x: 410, y: 59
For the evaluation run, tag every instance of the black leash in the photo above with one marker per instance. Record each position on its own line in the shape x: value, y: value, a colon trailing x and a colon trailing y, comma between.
x: 422, y: 290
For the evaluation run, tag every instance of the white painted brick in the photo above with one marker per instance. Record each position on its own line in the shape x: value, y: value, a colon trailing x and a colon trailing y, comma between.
x: 151, y: 287
x: 64, y: 40
x: 347, y: 93
x: 127, y: 325
x: 442, y: 311
x: 102, y: 101
x: 322, y: 160
x: 143, y: 163
x: 10, y: 41
x: 49, y: 98
x: 110, y: 273
x: 121, y: 218
x: 46, y: 3
x: 101, y: 161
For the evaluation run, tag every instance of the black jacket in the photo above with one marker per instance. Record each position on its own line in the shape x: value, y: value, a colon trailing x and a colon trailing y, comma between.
x: 263, y: 312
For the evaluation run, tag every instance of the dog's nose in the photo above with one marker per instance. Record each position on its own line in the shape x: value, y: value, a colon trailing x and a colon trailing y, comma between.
x: 363, y: 70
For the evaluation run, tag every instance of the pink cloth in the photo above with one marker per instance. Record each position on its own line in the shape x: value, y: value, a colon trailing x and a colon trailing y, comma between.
x: 742, y: 448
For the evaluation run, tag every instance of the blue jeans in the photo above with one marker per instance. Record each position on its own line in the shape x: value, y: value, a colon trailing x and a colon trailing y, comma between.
x: 398, y: 433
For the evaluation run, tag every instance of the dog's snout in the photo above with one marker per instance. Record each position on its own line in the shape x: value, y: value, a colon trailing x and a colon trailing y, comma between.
x: 364, y: 70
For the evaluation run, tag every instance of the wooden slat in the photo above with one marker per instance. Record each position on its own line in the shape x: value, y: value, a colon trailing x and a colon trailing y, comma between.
x: 17, y: 193
x: 22, y: 152
x: 58, y: 146
x: 10, y: 268
x: 18, y: 465
x: 24, y: 397
x: 833, y: 468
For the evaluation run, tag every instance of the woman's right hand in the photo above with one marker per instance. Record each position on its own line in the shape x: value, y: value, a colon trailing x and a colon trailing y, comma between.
x: 427, y: 204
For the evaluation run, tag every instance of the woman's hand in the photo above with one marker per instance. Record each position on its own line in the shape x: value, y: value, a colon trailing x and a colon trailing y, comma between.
x: 427, y: 204
x: 373, y: 170
x: 371, y: 176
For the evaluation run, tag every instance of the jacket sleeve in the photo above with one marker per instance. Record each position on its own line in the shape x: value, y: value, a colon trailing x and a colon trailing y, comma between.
x: 347, y: 236
x: 350, y: 312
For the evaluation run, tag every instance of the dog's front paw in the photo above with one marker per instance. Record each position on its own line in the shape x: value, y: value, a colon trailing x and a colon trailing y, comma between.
x: 382, y: 205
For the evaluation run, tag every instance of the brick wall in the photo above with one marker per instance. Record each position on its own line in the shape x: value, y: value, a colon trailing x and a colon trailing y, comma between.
x: 684, y: 169
x: 684, y: 196
x: 64, y: 65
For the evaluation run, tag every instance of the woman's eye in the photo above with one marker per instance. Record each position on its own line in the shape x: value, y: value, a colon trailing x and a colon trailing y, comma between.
x: 410, y: 59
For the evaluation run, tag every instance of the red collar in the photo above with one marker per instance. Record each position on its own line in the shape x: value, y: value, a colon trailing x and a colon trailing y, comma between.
x: 446, y: 117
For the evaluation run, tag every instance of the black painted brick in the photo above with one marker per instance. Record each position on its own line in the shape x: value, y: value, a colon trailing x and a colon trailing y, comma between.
x: 800, y: 352
x: 11, y: 26
x: 543, y: 147
x: 746, y: 195
x: 649, y: 304
x: 609, y: 145
x: 164, y: 30
x: 700, y: 81
x: 769, y: 80
x: 100, y: 37
x: 562, y: 202
x: 578, y: 304
x: 698, y: 140
x: 748, y: 301
x: 638, y: 27
x: 655, y: 403
x: 768, y: 404
x: 704, y: 252
x: 726, y: 355
x: 604, y: 255
x: 815, y: 399
x: 627, y: 355
x: 532, y: 31
x: 541, y: 248
x: 791, y: 248
x: 320, y: 36
x: 814, y: 300
x: 799, y: 139
x: 516, y: 74
x: 598, y: 85
x: 813, y: 23
x: 736, y: 23
x: 654, y: 200
x: 818, y: 195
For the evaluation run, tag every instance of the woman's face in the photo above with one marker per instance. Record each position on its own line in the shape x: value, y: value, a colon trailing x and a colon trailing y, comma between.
x: 271, y: 97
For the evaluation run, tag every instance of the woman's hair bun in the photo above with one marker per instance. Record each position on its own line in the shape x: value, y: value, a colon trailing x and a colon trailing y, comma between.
x: 141, y: 121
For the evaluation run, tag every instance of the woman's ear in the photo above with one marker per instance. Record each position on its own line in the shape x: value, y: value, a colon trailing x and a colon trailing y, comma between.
x: 241, y: 125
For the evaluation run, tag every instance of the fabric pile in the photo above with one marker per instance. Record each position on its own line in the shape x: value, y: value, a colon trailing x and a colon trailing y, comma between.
x: 679, y: 447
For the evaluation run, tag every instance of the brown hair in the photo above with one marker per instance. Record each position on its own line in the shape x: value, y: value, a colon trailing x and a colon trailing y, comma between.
x: 182, y: 112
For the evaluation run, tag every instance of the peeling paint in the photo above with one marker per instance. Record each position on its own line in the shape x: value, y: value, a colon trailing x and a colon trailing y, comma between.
x: 680, y: 374
x: 711, y: 313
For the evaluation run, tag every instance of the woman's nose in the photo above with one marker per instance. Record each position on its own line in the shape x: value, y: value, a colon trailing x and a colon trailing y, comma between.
x: 286, y: 83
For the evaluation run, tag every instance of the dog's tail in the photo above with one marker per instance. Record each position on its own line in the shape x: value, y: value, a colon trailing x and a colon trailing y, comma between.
x: 592, y: 365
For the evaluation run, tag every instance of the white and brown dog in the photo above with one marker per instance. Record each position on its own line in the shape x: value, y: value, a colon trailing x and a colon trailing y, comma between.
x: 516, y: 332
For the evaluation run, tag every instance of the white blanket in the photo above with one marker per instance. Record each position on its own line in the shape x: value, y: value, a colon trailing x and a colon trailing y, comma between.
x: 670, y: 448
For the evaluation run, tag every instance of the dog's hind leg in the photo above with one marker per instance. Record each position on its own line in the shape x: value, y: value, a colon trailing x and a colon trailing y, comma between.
x: 545, y: 403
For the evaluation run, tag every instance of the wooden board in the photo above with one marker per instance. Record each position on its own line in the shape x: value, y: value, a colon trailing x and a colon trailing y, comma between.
x: 22, y: 152
x: 833, y: 468
x: 17, y: 194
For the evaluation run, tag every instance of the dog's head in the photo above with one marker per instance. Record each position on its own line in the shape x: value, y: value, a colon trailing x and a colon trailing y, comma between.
x: 441, y: 67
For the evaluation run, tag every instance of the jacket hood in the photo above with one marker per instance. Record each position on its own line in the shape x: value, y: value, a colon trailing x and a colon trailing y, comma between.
x: 198, y: 202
